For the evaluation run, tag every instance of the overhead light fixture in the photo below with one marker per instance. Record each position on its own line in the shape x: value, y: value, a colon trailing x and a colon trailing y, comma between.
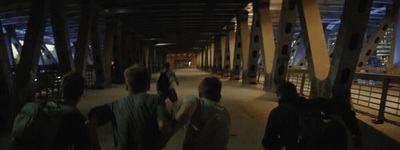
x: 163, y: 44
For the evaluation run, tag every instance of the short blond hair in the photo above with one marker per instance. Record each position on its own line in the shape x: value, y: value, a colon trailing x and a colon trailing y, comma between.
x: 138, y: 78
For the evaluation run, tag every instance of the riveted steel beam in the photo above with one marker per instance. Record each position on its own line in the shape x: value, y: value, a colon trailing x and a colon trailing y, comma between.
x: 245, y: 44
x: 256, y: 45
x: 238, y: 58
x: 49, y: 57
x: 85, y: 29
x: 394, y: 60
x: 217, y: 54
x: 30, y: 54
x: 347, y: 47
x: 7, y: 44
x: 223, y: 50
x: 97, y: 52
x: 277, y: 57
x: 232, y: 38
x: 111, y: 28
x: 6, y: 79
x: 61, y: 37
x: 375, y: 39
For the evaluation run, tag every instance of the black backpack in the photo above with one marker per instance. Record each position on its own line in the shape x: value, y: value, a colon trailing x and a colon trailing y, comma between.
x: 36, y: 125
x: 163, y: 81
x: 319, y: 130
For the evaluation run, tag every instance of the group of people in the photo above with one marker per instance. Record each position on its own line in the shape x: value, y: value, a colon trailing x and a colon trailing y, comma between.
x: 141, y: 120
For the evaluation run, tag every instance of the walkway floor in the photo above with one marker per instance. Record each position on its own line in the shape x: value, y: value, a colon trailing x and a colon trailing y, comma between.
x: 249, y: 107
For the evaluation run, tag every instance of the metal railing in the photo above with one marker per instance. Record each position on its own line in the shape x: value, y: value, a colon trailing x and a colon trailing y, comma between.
x: 375, y: 95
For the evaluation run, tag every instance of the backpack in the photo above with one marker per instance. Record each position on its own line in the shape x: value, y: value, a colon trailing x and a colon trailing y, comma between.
x: 319, y: 130
x: 163, y: 81
x: 36, y: 125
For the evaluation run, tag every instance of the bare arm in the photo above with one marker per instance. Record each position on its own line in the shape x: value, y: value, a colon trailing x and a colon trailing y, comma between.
x: 184, y: 115
x: 175, y: 78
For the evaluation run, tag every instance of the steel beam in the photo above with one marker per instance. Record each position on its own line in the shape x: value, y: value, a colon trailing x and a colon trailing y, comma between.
x: 375, y: 39
x: 117, y: 57
x: 6, y: 80
x: 30, y: 54
x: 49, y: 57
x: 256, y: 45
x: 227, y: 56
x: 217, y: 54
x: 277, y: 57
x: 61, y: 37
x: 245, y: 44
x: 394, y: 60
x: 223, y: 50
x: 111, y: 27
x: 294, y: 51
x: 232, y: 38
x: 238, y: 55
x: 13, y: 39
x: 97, y: 52
x: 347, y: 47
x: 7, y: 44
x: 85, y: 29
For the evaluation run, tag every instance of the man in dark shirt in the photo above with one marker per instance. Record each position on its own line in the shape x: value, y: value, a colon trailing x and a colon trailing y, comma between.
x: 72, y: 133
x: 282, y: 125
x: 139, y: 120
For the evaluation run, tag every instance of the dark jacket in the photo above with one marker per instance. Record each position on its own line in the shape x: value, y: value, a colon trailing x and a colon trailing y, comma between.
x: 282, y: 125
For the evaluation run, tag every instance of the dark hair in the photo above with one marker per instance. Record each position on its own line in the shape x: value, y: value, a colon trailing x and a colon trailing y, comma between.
x: 210, y: 88
x: 166, y: 64
x: 287, y: 89
x: 72, y: 86
x: 138, y: 78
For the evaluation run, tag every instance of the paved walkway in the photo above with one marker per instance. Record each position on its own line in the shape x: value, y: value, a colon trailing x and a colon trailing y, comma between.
x: 249, y: 107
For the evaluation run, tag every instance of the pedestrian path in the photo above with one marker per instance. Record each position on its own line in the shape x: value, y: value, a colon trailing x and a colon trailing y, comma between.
x: 248, y: 105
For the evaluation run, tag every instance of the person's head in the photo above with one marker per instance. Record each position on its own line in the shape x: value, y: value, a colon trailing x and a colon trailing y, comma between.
x: 166, y: 65
x: 72, y: 86
x: 286, y: 90
x: 210, y: 88
x: 137, y: 78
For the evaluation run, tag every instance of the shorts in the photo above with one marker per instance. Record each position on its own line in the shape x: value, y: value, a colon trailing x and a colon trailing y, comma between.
x: 168, y: 93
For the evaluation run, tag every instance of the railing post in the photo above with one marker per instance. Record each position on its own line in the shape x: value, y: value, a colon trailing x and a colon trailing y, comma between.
x: 303, y: 79
x: 381, y: 117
